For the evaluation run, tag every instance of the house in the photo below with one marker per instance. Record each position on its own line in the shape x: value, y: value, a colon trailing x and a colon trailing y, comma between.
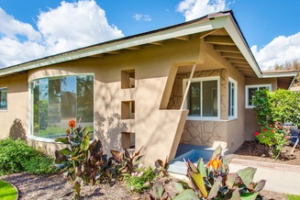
x: 190, y: 83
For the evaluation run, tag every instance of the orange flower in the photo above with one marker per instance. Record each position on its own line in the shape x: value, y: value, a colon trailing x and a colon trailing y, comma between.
x: 215, y: 163
x: 68, y: 131
x: 72, y: 123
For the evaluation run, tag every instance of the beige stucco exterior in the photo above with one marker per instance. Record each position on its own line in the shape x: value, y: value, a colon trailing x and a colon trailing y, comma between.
x: 145, y: 73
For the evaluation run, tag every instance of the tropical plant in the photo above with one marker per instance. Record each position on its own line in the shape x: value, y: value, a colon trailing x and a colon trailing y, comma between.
x: 161, y: 167
x: 128, y: 161
x: 83, y: 161
x: 158, y: 193
x: 215, y: 182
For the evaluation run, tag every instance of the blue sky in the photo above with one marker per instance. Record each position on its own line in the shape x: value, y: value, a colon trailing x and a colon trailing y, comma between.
x: 33, y: 29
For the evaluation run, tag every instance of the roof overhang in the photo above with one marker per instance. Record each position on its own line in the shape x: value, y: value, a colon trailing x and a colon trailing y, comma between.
x: 233, y: 48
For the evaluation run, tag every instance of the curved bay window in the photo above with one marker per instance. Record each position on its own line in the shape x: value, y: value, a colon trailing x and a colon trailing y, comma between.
x: 60, y: 99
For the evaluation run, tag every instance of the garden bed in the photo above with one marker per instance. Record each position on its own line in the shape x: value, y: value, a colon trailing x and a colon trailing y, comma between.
x: 252, y: 150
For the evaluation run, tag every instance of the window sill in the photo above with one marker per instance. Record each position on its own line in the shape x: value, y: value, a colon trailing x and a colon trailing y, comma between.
x: 41, y: 139
x: 194, y: 118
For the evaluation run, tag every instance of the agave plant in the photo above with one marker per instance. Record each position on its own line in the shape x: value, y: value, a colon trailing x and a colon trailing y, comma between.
x: 214, y: 181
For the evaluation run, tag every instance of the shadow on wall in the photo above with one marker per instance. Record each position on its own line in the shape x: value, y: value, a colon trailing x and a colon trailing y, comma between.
x: 110, y: 138
x: 17, y: 130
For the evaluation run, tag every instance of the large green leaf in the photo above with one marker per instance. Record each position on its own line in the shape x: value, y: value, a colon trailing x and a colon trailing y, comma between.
x: 236, y: 195
x: 85, y: 143
x: 201, y: 168
x: 215, y: 188
x: 231, y: 179
x: 192, y: 167
x: 217, y: 152
x: 65, y: 151
x: 60, y: 158
x: 198, y: 180
x: 158, y: 190
x: 249, y: 196
x: 226, y: 160
x: 62, y: 140
x: 188, y: 194
x: 179, y: 187
x: 75, y: 152
x: 247, y: 175
x: 260, y: 185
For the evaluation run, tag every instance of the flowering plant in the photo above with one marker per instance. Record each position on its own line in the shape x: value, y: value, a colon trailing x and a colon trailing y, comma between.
x: 273, y: 135
x: 140, y: 179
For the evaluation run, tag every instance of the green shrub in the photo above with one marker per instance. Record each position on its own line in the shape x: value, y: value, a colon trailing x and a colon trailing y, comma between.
x: 140, y: 179
x: 16, y: 156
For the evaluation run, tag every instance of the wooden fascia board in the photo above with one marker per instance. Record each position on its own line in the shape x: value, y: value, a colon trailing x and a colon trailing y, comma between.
x: 241, y: 44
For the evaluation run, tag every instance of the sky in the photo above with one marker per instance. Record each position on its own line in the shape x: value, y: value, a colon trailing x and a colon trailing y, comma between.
x: 34, y: 29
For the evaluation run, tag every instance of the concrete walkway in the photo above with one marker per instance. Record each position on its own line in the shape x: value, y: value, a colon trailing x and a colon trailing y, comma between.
x: 280, y: 178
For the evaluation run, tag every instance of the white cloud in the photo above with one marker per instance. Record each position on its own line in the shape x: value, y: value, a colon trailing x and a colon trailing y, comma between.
x: 278, y: 51
x: 142, y: 17
x: 192, y: 9
x: 69, y: 26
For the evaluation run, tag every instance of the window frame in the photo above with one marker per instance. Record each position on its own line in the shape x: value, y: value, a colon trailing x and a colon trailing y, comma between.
x: 31, y: 107
x: 247, y: 87
x: 235, y: 114
x: 201, y: 79
x: 1, y: 110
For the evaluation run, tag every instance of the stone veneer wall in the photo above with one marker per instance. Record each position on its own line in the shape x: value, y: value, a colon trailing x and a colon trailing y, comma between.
x: 203, y: 133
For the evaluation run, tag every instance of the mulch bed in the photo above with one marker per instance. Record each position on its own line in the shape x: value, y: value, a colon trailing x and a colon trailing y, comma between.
x: 35, y: 187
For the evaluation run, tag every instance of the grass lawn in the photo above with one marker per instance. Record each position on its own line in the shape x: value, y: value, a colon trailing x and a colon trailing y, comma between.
x: 7, y: 192
x: 293, y: 197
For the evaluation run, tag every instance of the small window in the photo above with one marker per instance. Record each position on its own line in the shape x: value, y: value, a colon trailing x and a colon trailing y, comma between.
x: 203, y: 97
x: 232, y: 98
x: 128, y: 79
x: 3, y: 98
x: 250, y: 90
x: 127, y: 110
x: 128, y: 140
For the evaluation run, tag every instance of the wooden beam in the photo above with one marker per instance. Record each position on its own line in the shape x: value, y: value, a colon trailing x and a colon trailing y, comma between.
x: 240, y: 65
x: 157, y: 43
x: 134, y: 48
x: 97, y: 56
x: 184, y: 38
x: 232, y: 55
x: 225, y: 48
x: 234, y: 60
x: 206, y: 33
x: 187, y: 87
x: 244, y: 69
x: 218, y: 39
x: 113, y: 52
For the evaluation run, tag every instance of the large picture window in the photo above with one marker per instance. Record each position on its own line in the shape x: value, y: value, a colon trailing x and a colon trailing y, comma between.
x: 3, y: 98
x: 203, y: 97
x: 58, y: 100
x: 250, y: 91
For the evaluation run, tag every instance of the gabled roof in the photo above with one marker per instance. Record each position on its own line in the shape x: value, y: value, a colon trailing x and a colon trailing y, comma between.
x: 219, y: 29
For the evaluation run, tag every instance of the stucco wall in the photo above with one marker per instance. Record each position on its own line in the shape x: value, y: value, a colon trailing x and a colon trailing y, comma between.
x: 250, y: 117
x: 154, y: 128
x: 17, y: 103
